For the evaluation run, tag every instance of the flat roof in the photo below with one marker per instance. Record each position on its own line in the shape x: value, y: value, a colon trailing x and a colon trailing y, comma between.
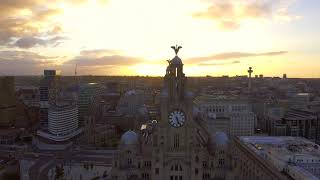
x: 212, y: 98
x: 285, y: 151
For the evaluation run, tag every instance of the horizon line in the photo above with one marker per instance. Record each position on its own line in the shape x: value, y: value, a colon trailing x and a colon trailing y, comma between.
x: 152, y: 76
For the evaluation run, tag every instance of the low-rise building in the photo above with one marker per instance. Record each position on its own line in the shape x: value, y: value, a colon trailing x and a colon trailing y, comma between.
x: 234, y: 111
x: 293, y: 122
x: 269, y: 157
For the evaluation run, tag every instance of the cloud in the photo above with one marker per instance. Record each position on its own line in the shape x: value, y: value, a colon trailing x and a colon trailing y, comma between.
x: 219, y: 64
x: 15, y: 27
x: 99, y: 52
x: 106, y: 61
x: 232, y: 55
x: 43, y: 15
x: 29, y: 42
x: 10, y: 28
x: 103, y: 57
x: 230, y: 14
x: 57, y: 29
x: 25, y: 18
x: 24, y: 63
x: 30, y: 18
x: 15, y: 62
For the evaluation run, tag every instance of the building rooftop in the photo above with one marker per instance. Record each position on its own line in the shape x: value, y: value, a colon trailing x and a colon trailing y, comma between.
x: 210, y: 98
x: 294, y: 155
x: 130, y: 138
x: 295, y: 114
x: 221, y: 138
x: 63, y: 106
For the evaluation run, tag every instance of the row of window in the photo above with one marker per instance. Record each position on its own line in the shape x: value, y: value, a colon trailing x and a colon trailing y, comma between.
x: 225, y: 108
x: 146, y: 164
x: 176, y: 167
x: 175, y: 177
x: 205, y: 163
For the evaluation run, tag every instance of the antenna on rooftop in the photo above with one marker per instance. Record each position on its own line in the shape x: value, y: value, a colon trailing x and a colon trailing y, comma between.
x: 75, y: 70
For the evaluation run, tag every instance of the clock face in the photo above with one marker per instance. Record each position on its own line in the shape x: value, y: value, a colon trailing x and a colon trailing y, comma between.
x: 176, y: 118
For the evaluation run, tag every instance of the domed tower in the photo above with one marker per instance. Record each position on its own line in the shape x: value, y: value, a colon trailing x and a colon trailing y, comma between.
x: 129, y: 138
x: 218, y: 146
x: 129, y: 148
x: 175, y: 78
x: 218, y: 142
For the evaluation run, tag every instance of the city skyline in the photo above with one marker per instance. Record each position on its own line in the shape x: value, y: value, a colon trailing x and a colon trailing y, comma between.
x: 131, y: 38
x: 171, y: 127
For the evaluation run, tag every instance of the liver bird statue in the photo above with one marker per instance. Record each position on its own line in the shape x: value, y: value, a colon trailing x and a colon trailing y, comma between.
x: 176, y: 49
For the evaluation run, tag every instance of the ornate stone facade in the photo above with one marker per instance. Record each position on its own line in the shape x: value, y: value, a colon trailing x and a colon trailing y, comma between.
x: 176, y: 146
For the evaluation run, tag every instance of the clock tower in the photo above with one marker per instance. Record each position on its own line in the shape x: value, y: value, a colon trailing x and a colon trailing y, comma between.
x: 175, y: 129
x: 177, y: 146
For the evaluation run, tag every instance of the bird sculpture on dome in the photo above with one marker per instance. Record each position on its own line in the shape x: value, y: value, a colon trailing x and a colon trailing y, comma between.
x: 176, y: 49
x: 169, y: 67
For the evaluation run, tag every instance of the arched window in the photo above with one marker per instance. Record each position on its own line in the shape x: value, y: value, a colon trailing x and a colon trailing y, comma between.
x: 145, y: 175
x: 176, y: 167
x: 221, y: 162
x: 196, y: 171
x: 176, y: 175
x: 176, y: 141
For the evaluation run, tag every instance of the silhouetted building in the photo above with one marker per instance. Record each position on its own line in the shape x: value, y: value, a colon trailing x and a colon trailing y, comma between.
x: 250, y: 71
x: 130, y: 102
x: 88, y: 94
x: 44, y: 94
x: 7, y: 101
x: 284, y: 76
x: 62, y: 114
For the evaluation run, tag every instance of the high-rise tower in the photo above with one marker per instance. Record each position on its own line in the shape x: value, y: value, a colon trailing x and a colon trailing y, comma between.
x: 45, y: 91
x: 250, y: 71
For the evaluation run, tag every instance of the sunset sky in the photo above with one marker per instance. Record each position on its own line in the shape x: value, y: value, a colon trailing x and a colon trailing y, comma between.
x: 133, y: 37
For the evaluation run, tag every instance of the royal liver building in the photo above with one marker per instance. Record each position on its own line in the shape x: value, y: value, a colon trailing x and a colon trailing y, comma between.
x: 176, y: 146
